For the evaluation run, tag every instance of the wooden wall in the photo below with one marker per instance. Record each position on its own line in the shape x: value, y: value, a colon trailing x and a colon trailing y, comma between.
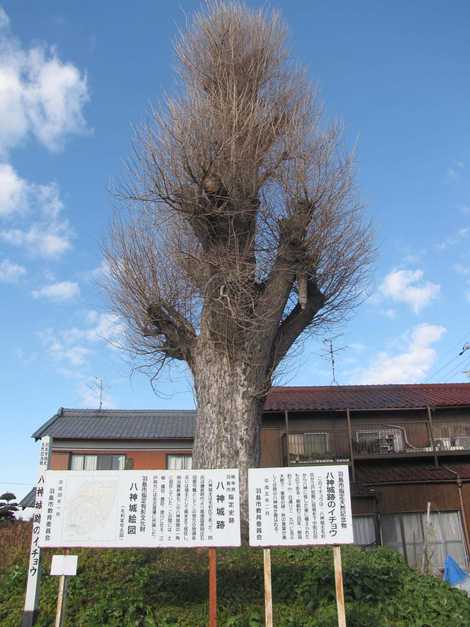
x: 141, y: 460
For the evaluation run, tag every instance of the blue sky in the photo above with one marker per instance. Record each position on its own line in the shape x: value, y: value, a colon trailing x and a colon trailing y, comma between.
x: 74, y: 77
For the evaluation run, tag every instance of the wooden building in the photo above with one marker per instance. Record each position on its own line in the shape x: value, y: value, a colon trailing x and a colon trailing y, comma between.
x: 407, y: 447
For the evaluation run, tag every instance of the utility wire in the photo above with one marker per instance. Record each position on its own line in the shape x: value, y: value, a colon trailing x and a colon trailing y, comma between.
x: 435, y: 372
x: 460, y: 368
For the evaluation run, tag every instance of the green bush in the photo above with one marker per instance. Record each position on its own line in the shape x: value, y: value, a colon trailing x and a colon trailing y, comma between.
x: 159, y: 588
x: 369, y: 577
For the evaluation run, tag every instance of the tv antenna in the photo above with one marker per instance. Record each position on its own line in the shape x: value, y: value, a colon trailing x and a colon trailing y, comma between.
x: 330, y: 352
x: 97, y: 387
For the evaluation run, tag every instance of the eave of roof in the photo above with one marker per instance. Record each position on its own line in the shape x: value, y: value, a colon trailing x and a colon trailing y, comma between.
x: 82, y: 424
x: 368, y: 397
x: 406, y: 397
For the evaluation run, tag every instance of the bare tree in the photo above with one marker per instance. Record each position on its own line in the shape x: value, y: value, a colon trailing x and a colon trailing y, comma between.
x: 244, y: 230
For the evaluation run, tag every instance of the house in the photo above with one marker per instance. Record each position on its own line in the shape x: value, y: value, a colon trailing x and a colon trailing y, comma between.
x: 407, y: 447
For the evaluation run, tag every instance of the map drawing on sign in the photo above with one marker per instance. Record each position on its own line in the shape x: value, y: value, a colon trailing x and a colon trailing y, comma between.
x: 88, y: 509
x: 309, y: 505
x: 141, y: 508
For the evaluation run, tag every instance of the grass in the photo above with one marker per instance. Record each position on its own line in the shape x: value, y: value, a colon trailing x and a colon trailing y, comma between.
x: 158, y: 588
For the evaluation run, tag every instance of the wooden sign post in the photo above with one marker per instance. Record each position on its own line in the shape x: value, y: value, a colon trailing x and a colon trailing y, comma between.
x: 212, y: 588
x: 322, y: 516
x: 64, y: 566
x: 60, y: 612
x: 339, y: 586
x: 31, y: 602
x: 268, y: 594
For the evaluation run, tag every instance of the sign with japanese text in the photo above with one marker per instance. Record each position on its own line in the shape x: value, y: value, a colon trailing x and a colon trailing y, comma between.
x: 145, y: 508
x: 44, y: 456
x: 310, y: 505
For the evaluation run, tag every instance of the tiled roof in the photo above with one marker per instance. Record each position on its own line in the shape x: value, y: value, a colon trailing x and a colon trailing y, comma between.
x: 29, y: 499
x: 93, y: 424
x: 375, y: 474
x: 364, y: 397
x: 171, y: 424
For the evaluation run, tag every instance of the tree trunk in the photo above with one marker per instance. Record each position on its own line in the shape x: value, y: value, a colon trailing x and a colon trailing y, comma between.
x: 229, y: 405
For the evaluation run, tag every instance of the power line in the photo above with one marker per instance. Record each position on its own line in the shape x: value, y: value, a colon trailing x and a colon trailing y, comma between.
x: 444, y: 367
x: 461, y: 367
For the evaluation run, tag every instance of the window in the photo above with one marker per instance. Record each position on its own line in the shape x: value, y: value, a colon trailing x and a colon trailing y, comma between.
x: 179, y: 462
x: 315, y: 443
x: 97, y: 462
x: 307, y: 446
x: 364, y: 528
x: 425, y: 543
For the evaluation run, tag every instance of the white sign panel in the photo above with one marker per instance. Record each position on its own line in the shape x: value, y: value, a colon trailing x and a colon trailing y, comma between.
x: 145, y: 508
x: 64, y: 565
x: 300, y: 506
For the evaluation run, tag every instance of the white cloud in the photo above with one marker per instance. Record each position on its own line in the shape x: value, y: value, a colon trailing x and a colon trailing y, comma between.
x: 407, y: 286
x: 75, y: 345
x: 13, y: 191
x: 41, y: 229
x: 106, y: 326
x: 4, y: 20
x: 409, y: 366
x: 39, y: 240
x: 10, y: 272
x: 40, y: 95
x: 65, y: 290
x: 59, y: 351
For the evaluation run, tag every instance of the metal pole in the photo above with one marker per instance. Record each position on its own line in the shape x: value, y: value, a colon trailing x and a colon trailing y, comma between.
x: 31, y: 602
x: 431, y: 436
x: 351, y: 448
x: 339, y: 586
x: 268, y: 593
x: 212, y: 588
x: 286, y: 419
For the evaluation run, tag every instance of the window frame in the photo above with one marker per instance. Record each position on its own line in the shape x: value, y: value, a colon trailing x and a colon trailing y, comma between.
x: 178, y: 455
x: 121, y: 456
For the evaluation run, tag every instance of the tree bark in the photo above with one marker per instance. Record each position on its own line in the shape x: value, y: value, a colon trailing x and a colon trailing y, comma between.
x: 229, y: 418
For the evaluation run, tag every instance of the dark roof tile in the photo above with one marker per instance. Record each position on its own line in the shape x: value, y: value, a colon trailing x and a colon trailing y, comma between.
x: 376, y: 474
x: 172, y: 424
x: 365, y: 397
x: 95, y: 424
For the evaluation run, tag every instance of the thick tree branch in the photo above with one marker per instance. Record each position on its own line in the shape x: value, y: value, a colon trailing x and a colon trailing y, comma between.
x: 296, y: 322
x: 178, y: 332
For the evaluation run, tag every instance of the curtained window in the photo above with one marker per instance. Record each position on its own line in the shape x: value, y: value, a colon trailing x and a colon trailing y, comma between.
x: 97, y: 462
x: 425, y: 543
x: 364, y: 528
x: 179, y: 462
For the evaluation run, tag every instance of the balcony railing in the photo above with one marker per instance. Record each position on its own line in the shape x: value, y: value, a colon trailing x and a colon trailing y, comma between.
x: 372, y: 440
x: 378, y: 440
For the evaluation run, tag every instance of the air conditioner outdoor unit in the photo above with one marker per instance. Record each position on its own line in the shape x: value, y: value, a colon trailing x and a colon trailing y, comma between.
x: 443, y: 444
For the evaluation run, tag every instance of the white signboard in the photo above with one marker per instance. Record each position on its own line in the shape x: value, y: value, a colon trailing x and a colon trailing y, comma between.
x: 141, y: 508
x: 64, y: 565
x: 300, y: 506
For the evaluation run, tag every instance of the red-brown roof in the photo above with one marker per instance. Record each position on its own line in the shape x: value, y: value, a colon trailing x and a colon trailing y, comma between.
x: 364, y: 397
x: 376, y: 474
